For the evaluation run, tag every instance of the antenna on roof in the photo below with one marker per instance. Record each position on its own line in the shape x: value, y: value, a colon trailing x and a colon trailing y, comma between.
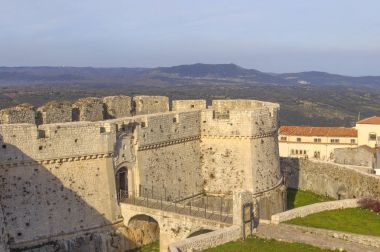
x: 359, y: 116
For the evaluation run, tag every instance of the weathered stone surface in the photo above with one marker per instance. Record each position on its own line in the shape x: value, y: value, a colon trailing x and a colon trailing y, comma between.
x: 188, y: 104
x: 337, y: 181
x: 59, y: 178
x: 150, y: 104
x: 88, y: 109
x: 23, y: 113
x: 300, y: 212
x: 208, y: 240
x: 54, y: 112
x: 117, y: 106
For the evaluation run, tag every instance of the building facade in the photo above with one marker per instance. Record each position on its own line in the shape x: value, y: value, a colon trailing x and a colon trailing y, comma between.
x: 321, y: 143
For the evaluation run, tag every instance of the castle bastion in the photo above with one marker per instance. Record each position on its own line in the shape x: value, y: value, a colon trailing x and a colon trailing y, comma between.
x: 72, y: 175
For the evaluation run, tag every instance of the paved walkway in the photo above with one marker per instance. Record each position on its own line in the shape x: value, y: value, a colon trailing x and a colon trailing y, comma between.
x: 292, y: 233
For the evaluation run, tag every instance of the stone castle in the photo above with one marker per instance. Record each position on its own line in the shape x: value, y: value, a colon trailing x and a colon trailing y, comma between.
x: 68, y: 171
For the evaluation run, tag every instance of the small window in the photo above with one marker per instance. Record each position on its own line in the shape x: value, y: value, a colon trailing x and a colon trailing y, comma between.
x: 283, y: 138
x: 317, y: 140
x: 372, y: 136
x: 143, y: 125
x: 353, y: 141
x: 298, y: 139
x: 297, y: 152
x: 174, y: 119
x: 292, y: 151
x: 192, y: 106
x: 304, y: 152
x: 334, y: 140
x: 102, y: 129
x: 4, y: 146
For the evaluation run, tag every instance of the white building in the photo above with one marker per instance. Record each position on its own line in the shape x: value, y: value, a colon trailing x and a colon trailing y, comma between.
x: 369, y: 131
x: 315, y: 142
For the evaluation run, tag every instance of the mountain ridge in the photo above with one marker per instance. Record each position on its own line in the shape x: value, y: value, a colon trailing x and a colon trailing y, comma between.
x: 169, y: 75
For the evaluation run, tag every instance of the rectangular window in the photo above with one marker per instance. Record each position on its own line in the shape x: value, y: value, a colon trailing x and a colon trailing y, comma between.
x: 292, y: 151
x: 298, y: 139
x: 283, y: 138
x: 372, y: 136
x: 304, y: 152
x: 317, y: 140
x: 334, y: 140
x: 297, y: 152
x: 353, y: 141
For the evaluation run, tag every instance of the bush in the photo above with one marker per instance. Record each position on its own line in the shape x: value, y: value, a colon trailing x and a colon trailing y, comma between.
x: 371, y: 204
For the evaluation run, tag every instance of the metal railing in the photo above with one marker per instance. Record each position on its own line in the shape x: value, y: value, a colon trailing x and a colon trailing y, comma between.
x: 196, y: 205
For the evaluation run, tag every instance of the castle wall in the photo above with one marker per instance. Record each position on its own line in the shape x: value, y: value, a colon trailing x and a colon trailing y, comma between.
x: 240, y: 150
x: 23, y: 113
x: 334, y: 180
x: 52, y: 199
x: 188, y: 104
x: 117, y: 106
x: 54, y: 112
x: 150, y: 104
x: 169, y: 153
x: 88, y: 109
x: 57, y: 182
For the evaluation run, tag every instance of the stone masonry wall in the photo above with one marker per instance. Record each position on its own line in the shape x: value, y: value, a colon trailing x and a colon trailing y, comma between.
x: 188, y: 104
x: 23, y: 113
x: 239, y: 150
x: 337, y: 181
x: 88, y: 109
x: 169, y: 154
x: 117, y: 106
x: 54, y: 112
x: 150, y: 104
x: 55, y: 180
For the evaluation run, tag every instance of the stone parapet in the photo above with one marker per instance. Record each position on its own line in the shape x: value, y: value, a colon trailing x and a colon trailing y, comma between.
x: 300, y: 212
x: 208, y: 240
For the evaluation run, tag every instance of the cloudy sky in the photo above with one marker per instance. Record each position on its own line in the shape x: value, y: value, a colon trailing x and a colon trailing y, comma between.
x: 340, y: 36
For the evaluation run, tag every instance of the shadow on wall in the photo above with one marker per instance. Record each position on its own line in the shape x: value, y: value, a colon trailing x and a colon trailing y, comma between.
x: 326, y: 179
x: 54, y: 206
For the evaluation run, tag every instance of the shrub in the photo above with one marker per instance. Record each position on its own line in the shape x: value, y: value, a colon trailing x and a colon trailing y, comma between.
x: 371, y: 204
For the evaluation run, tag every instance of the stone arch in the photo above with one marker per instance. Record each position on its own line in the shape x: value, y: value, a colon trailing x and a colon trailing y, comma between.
x: 143, y: 229
x: 200, y: 232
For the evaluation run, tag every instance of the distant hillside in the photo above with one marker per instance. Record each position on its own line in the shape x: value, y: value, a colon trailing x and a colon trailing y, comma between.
x: 185, y: 74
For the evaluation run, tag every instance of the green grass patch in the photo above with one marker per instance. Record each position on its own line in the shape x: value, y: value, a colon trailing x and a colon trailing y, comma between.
x: 352, y: 220
x: 151, y: 247
x: 264, y: 245
x: 298, y: 198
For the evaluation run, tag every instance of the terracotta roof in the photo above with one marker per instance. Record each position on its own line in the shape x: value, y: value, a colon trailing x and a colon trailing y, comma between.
x: 370, y: 120
x: 318, y: 131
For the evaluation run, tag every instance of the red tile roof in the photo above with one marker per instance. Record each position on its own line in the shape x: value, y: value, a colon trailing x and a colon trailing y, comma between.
x: 318, y: 131
x: 370, y: 120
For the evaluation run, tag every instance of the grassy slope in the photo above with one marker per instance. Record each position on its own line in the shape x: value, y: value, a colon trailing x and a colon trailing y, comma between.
x: 353, y: 220
x: 152, y: 247
x: 298, y: 198
x: 258, y: 244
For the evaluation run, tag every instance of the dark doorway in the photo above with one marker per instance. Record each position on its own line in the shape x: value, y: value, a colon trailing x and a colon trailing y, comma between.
x: 122, y: 182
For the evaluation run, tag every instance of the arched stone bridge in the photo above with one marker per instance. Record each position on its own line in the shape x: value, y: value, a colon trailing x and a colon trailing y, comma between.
x: 173, y: 226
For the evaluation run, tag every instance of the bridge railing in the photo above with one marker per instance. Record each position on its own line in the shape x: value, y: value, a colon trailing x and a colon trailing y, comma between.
x: 196, y: 205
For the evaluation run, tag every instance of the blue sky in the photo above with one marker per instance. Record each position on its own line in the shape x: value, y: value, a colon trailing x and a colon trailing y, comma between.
x: 340, y: 36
